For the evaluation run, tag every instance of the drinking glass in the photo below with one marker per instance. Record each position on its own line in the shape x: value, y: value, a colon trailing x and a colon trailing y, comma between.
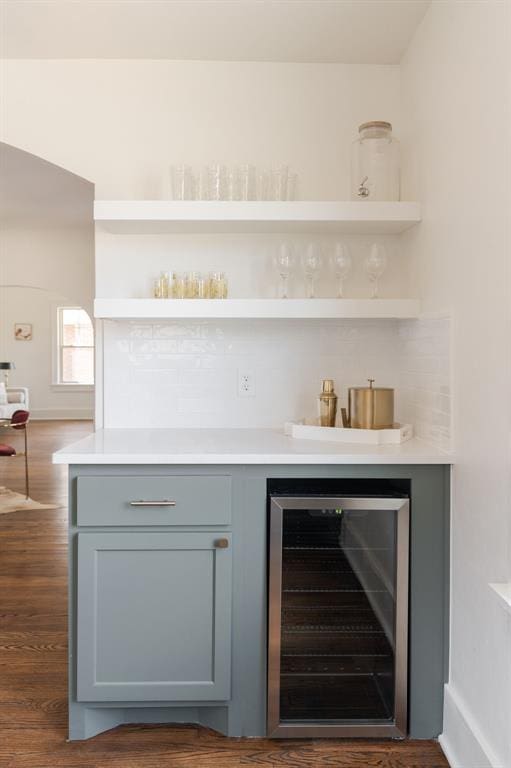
x: 157, y: 289
x: 233, y: 185
x: 341, y: 263
x: 375, y: 265
x: 178, y: 286
x: 279, y: 179
x: 246, y: 182
x: 202, y: 286
x: 202, y: 186
x: 292, y: 184
x: 215, y: 285
x: 312, y: 263
x: 223, y: 286
x: 218, y: 285
x: 262, y: 186
x: 181, y: 180
x: 217, y: 182
x: 284, y: 261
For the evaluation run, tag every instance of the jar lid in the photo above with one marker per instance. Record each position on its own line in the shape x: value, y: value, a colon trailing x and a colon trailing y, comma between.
x: 375, y: 124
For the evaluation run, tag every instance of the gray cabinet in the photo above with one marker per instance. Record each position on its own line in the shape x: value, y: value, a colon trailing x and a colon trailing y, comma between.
x: 154, y: 616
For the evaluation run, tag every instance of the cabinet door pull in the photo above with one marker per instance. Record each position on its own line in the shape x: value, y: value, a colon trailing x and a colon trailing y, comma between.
x: 162, y: 503
x: 222, y: 543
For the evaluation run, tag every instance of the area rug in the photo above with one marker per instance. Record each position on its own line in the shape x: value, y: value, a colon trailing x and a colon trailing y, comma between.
x: 10, y: 501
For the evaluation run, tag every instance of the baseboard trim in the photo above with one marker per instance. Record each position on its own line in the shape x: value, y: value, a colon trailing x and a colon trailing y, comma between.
x: 62, y: 414
x: 462, y: 742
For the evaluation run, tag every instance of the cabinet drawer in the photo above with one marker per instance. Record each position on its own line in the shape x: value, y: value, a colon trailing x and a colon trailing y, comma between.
x: 171, y: 500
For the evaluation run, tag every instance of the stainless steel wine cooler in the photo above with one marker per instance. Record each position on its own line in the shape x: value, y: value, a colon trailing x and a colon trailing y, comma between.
x: 338, y: 616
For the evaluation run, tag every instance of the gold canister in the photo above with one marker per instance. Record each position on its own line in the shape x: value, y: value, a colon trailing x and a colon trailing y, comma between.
x: 370, y: 407
x: 327, y: 404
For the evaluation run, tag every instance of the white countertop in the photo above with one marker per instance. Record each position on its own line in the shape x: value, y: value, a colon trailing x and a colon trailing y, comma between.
x: 235, y: 446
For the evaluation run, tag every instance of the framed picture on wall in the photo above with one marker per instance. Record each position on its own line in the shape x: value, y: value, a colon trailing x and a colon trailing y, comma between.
x: 23, y: 331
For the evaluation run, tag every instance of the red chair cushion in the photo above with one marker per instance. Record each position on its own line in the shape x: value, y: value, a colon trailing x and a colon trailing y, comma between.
x: 7, y: 450
x: 19, y: 419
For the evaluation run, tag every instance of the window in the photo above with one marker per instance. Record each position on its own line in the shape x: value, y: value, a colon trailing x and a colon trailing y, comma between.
x: 75, y: 346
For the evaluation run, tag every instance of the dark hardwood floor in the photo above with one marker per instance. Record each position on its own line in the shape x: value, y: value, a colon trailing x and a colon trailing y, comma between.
x: 33, y: 676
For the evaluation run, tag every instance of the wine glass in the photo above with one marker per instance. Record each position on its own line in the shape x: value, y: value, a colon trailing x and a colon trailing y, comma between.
x: 312, y: 263
x: 284, y: 261
x: 341, y: 262
x: 375, y: 265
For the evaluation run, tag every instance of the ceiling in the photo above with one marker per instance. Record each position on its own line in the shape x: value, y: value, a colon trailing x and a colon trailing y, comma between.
x: 347, y: 31
x: 37, y: 194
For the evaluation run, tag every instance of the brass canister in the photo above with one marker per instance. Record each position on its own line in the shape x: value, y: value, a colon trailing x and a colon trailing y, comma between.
x: 371, y: 407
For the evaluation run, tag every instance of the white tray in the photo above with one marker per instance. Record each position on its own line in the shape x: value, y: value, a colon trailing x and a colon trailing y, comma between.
x: 302, y: 430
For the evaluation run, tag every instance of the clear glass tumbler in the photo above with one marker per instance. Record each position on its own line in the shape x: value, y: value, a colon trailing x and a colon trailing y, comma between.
x: 233, y: 185
x: 181, y: 182
x: 217, y: 182
x: 202, y: 186
x: 279, y: 180
x: 247, y: 182
x: 263, y: 186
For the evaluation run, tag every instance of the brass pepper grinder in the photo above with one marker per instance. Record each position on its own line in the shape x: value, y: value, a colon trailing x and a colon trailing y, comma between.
x: 327, y: 404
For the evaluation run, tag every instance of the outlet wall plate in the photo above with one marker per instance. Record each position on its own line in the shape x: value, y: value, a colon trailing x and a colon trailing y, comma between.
x: 246, y: 384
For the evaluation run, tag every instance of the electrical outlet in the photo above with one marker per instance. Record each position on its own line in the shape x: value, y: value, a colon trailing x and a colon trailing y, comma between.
x: 246, y: 384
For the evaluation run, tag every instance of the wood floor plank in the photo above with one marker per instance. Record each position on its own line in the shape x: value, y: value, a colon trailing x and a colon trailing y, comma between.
x: 33, y: 660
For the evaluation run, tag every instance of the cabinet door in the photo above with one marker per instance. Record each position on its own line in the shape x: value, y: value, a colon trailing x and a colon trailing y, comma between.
x: 154, y: 616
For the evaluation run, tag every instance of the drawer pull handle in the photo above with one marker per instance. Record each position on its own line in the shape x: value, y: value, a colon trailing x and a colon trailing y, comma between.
x: 162, y: 503
x: 222, y: 543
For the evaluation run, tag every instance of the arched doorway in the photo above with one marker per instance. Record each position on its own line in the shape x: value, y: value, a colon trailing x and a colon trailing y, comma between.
x: 46, y: 269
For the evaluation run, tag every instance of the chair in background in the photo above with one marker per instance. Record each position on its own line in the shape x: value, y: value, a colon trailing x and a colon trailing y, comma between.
x: 13, y: 399
x: 18, y: 421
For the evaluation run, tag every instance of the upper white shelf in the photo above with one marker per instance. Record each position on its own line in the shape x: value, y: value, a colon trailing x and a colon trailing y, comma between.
x: 255, y: 308
x: 160, y: 216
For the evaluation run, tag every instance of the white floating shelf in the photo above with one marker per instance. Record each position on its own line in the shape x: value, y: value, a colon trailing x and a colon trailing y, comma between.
x: 196, y: 216
x: 256, y: 308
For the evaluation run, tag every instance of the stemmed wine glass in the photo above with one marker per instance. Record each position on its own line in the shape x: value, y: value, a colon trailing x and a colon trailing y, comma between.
x: 284, y: 261
x: 375, y: 265
x: 341, y: 262
x: 312, y: 263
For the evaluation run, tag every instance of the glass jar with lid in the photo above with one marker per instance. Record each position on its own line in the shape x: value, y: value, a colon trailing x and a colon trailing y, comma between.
x: 375, y: 166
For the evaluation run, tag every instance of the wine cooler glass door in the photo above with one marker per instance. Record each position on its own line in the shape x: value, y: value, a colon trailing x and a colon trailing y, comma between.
x: 338, y: 617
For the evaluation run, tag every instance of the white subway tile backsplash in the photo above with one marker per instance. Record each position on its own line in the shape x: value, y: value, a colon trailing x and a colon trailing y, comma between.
x: 185, y: 374
x: 425, y: 399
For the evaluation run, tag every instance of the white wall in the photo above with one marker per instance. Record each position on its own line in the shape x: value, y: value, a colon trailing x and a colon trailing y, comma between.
x: 455, y: 79
x: 121, y: 123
